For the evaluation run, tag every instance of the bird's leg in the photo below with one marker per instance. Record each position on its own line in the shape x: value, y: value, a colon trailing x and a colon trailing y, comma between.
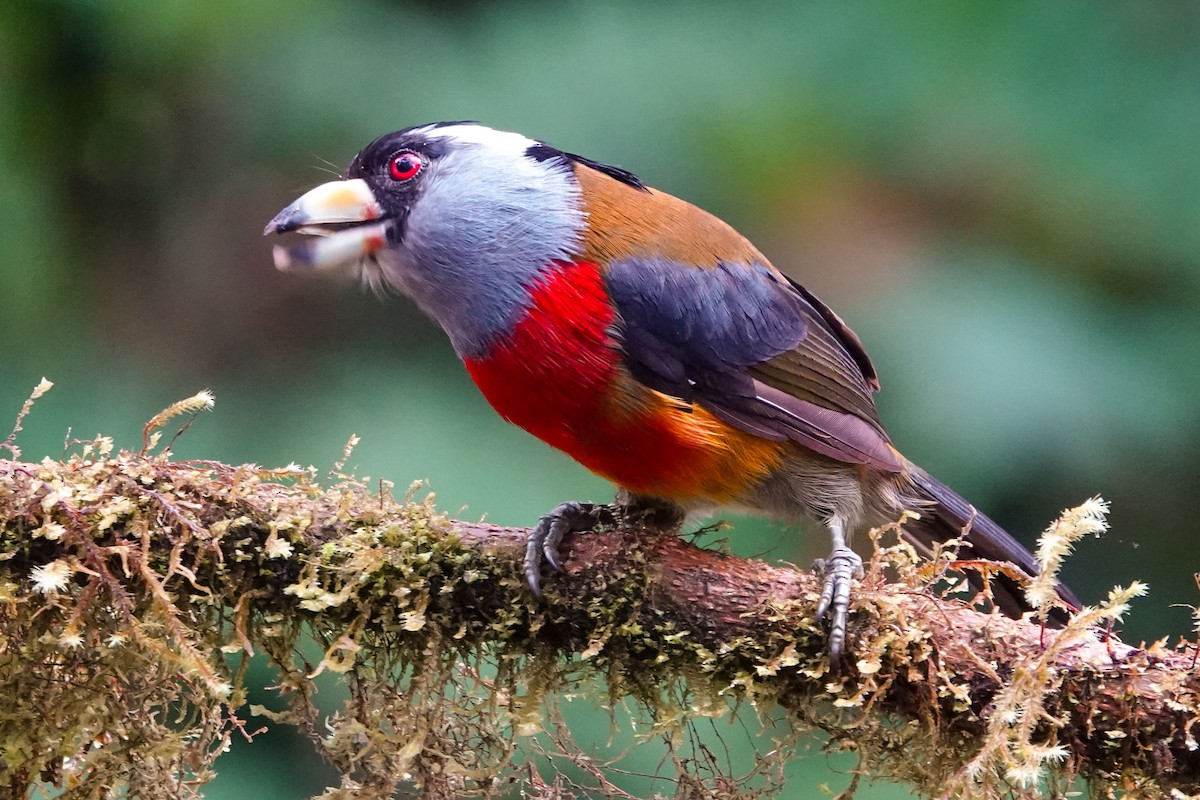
x: 547, y: 535
x: 837, y: 572
x: 573, y: 517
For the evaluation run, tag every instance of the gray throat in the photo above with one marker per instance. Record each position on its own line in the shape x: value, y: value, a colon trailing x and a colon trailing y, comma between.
x: 483, y: 230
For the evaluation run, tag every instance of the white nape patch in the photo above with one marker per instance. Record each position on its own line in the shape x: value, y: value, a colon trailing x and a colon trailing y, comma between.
x: 470, y: 133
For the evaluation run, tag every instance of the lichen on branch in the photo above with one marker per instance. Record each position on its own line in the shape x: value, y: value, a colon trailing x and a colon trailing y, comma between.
x: 134, y: 589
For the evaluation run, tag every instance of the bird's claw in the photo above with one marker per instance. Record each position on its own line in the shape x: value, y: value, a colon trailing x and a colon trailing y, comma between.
x: 837, y: 572
x: 548, y: 534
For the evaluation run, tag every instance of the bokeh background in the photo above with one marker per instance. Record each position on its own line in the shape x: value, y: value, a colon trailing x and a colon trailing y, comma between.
x: 1002, y: 199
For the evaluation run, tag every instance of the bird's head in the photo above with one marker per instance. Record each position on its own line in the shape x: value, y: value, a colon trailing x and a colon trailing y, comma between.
x: 458, y: 216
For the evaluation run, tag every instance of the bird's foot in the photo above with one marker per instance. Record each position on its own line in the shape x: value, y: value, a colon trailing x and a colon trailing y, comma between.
x: 837, y: 572
x: 548, y: 534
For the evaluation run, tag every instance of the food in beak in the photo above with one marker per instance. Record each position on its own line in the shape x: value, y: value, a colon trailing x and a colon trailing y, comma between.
x: 345, y: 219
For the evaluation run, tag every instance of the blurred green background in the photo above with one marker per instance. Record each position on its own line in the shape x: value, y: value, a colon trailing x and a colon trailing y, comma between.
x: 1002, y: 199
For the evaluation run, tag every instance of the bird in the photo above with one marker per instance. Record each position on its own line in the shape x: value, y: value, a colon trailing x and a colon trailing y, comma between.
x: 644, y: 337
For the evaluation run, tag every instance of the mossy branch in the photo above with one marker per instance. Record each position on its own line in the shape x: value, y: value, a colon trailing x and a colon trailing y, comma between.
x: 133, y: 590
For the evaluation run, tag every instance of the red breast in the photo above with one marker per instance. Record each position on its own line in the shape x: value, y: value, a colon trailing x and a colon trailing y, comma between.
x: 560, y: 377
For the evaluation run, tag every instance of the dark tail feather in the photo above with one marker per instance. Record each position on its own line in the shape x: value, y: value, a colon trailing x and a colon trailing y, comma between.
x: 948, y: 515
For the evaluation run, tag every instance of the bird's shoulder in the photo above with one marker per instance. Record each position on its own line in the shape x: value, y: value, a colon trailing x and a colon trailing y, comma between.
x: 704, y: 314
x: 624, y: 221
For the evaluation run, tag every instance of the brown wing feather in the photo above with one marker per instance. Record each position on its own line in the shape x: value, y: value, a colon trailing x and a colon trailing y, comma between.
x: 830, y: 367
x: 732, y: 350
x: 626, y: 222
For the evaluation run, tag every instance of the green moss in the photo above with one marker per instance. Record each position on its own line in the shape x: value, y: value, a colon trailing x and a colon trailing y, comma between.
x: 127, y: 583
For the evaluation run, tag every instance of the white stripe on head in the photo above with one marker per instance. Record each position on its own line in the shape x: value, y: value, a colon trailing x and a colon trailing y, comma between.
x: 473, y: 133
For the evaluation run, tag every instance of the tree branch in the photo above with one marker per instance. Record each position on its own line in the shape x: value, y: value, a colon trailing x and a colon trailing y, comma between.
x: 125, y: 578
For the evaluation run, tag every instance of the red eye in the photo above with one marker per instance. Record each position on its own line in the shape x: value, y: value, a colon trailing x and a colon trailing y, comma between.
x: 405, y: 165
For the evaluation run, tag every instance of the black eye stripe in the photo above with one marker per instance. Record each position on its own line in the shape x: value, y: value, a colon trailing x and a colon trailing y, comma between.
x: 376, y: 158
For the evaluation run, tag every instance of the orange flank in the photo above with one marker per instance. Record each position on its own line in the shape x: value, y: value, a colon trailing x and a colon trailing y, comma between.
x: 559, y: 375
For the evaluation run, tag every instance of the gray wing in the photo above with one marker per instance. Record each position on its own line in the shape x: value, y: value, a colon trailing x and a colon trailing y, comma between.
x: 754, y: 349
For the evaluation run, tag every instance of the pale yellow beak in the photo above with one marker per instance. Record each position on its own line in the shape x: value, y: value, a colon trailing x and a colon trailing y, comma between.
x: 341, y: 214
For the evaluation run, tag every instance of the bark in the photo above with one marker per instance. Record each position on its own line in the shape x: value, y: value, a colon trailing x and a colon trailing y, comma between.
x: 958, y: 701
x: 1124, y: 710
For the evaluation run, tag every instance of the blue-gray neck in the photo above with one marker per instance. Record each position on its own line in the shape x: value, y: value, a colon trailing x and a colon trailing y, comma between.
x: 488, y: 223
